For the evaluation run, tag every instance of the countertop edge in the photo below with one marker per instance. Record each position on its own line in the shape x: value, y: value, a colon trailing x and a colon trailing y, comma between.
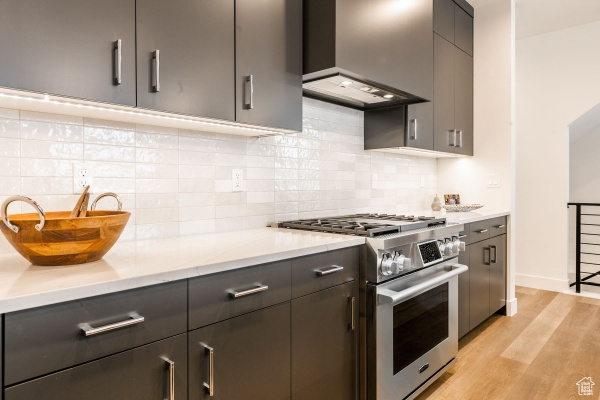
x: 97, y: 289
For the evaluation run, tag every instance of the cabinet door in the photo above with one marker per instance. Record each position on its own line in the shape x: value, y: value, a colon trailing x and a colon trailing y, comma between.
x: 479, y: 283
x: 66, y: 47
x: 443, y: 19
x: 419, y: 132
x: 250, y: 357
x: 497, y: 273
x: 324, y: 344
x: 194, y: 68
x: 269, y: 63
x: 463, y: 101
x: 463, y: 30
x: 464, y: 298
x: 142, y: 373
x: 443, y: 95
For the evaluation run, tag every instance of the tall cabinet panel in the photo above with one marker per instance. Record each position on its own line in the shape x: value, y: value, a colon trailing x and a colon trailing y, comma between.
x: 246, y: 357
x: 185, y: 57
x: 443, y: 94
x: 464, y: 299
x: 463, y: 101
x: 324, y: 344
x: 268, y: 76
x: 77, y: 48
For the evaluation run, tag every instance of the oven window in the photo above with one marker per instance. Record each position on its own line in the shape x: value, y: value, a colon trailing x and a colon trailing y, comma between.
x: 420, y: 324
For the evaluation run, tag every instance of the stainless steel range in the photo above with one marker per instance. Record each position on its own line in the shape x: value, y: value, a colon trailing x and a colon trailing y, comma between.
x: 409, y: 277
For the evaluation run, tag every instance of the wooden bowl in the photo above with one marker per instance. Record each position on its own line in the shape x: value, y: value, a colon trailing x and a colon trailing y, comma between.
x: 64, y: 240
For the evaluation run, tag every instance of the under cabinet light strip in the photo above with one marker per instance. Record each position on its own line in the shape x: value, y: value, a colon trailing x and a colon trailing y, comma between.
x: 47, y: 99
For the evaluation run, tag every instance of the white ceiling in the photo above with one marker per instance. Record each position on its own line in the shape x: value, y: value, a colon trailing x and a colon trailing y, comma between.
x: 535, y: 17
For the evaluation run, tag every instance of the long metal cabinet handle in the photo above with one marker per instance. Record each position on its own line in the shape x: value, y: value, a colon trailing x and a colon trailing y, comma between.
x: 259, y: 288
x: 117, y: 77
x: 489, y: 256
x: 171, y: 367
x: 353, y: 309
x: 462, y: 236
x: 460, y: 143
x: 500, y: 226
x: 481, y: 230
x: 452, y: 138
x: 156, y: 71
x: 133, y: 320
x: 414, y: 129
x: 329, y: 270
x: 210, y: 386
x: 249, y: 92
x: 387, y: 296
x: 495, y: 254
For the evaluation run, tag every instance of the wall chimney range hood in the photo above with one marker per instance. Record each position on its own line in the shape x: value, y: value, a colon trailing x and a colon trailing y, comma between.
x: 368, y: 54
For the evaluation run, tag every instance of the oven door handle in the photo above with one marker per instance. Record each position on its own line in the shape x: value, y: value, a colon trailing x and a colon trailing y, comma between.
x: 386, y: 296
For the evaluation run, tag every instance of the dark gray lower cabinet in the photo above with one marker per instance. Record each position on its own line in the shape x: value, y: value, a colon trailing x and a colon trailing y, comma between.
x: 67, y: 47
x: 464, y: 294
x: 250, y: 357
x: 497, y: 273
x: 324, y: 364
x: 479, y: 283
x: 141, y: 373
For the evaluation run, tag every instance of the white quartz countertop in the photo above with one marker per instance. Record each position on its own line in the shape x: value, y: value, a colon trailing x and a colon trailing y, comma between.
x: 135, y: 264
x: 464, y: 217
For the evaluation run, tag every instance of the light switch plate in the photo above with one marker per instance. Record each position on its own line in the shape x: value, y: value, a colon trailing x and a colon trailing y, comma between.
x: 493, y: 181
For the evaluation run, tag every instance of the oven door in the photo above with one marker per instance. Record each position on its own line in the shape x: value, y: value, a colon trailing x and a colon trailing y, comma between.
x: 413, y: 333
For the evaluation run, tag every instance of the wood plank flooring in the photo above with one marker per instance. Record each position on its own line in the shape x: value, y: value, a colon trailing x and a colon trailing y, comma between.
x: 540, y: 353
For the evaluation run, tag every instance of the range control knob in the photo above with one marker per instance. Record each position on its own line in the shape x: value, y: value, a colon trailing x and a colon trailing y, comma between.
x: 387, y: 263
x: 404, y: 263
x: 448, y: 248
x: 458, y: 245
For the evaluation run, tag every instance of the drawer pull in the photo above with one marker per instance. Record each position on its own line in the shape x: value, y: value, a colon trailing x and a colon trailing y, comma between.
x: 259, y: 288
x: 133, y: 320
x: 210, y: 386
x: 353, y: 320
x: 171, y: 368
x: 329, y: 270
x: 481, y: 230
x: 462, y: 236
x: 500, y: 226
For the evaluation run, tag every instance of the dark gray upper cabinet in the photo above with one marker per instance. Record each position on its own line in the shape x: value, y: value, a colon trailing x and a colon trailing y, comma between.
x: 324, y: 344
x: 141, y: 373
x: 454, y: 22
x: 185, y: 57
x: 453, y: 99
x: 383, y: 41
x: 67, y: 47
x: 268, y: 77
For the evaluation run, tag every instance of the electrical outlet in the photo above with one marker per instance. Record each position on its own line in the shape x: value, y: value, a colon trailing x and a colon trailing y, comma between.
x: 82, y: 177
x: 237, y: 180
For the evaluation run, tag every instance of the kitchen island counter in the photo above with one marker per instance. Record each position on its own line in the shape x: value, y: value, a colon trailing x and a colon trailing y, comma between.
x: 141, y: 263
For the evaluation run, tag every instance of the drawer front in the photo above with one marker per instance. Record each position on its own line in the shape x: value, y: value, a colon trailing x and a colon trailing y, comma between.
x: 212, y: 297
x: 47, y: 339
x: 324, y: 270
x: 497, y: 226
x: 479, y: 230
x: 141, y: 373
x: 465, y: 234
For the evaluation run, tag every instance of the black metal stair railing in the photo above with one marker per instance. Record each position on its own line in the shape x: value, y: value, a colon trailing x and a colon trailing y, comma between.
x: 578, y: 242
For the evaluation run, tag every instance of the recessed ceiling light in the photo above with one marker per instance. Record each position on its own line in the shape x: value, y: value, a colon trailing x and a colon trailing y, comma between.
x: 388, y: 96
x: 346, y: 83
x: 365, y: 88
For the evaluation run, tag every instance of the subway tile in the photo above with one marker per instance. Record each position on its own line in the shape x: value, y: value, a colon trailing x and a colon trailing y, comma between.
x: 156, y: 185
x: 102, y: 152
x: 196, y: 213
x: 108, y: 125
x: 46, y: 167
x: 46, y: 185
x: 9, y: 113
x: 10, y: 186
x: 196, y: 171
x: 161, y: 130
x: 229, y: 211
x: 104, y: 169
x: 115, y: 185
x: 196, y: 185
x: 199, y: 143
x: 157, y: 200
x: 157, y: 231
x: 152, y: 216
x: 231, y: 198
x: 196, y: 158
x: 52, y: 118
x: 34, y: 130
x: 9, y: 128
x: 196, y: 227
x: 10, y: 166
x: 157, y: 171
x: 158, y: 156
x: 10, y: 147
x: 260, y: 197
x: 156, y: 140
x: 230, y: 224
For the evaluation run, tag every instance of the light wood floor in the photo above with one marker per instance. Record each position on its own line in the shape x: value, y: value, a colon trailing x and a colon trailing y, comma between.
x: 540, y: 353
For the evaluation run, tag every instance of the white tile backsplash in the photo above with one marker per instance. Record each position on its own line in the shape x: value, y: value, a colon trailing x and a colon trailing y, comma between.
x: 178, y: 182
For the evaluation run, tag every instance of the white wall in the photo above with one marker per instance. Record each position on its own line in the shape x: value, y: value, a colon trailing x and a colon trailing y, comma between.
x: 558, y: 80
x: 178, y: 182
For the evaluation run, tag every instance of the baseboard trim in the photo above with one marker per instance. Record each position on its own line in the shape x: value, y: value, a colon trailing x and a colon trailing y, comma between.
x: 540, y: 282
x: 511, y: 307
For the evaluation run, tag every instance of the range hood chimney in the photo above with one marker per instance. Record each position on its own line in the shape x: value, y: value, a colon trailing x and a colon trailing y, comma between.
x: 368, y: 54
